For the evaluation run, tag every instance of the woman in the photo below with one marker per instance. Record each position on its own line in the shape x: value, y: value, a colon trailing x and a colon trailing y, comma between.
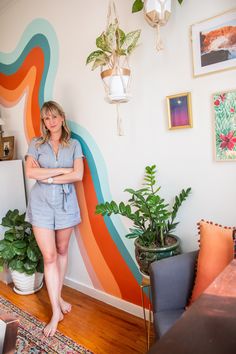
x: 55, y: 161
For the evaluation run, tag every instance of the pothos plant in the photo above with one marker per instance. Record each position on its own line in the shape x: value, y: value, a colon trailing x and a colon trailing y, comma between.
x: 138, y: 5
x: 153, y: 219
x: 18, y: 249
x: 113, y: 44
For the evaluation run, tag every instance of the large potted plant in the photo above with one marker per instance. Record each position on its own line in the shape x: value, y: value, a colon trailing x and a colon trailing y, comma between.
x: 114, y: 46
x: 21, y: 254
x: 153, y: 220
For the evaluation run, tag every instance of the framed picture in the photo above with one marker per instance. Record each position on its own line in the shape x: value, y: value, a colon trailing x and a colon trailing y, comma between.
x: 6, y: 147
x: 214, y: 44
x: 179, y: 111
x: 224, y: 104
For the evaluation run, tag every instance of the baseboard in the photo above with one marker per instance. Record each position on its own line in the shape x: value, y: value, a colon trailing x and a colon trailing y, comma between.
x: 107, y: 298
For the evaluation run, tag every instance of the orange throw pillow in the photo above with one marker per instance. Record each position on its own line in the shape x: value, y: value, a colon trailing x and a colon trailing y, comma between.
x: 216, y: 252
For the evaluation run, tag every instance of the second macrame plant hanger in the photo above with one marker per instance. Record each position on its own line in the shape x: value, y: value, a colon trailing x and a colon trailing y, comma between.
x: 116, y: 79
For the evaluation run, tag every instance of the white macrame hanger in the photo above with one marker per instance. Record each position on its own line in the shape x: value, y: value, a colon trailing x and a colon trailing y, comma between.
x: 112, y: 17
x: 120, y: 126
x: 159, y: 43
x: 111, y: 13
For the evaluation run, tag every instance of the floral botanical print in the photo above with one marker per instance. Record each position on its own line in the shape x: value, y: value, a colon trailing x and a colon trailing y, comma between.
x: 225, y: 125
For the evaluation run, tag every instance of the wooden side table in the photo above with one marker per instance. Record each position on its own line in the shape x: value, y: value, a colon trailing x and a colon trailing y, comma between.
x: 147, y: 323
x: 8, y: 333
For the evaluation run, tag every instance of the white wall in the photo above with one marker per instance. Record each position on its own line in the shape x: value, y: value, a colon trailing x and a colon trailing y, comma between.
x: 184, y: 157
x: 12, y: 194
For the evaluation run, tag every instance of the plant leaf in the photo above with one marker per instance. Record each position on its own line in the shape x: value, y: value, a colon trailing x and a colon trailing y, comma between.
x: 120, y: 36
x: 101, y: 61
x: 110, y: 36
x: 94, y: 55
x: 137, y: 6
x: 131, y: 40
x: 102, y: 43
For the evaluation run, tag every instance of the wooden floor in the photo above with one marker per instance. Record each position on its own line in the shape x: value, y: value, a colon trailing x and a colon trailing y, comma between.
x: 100, y: 327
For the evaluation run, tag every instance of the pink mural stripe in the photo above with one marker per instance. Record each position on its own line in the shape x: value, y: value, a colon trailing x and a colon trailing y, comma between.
x: 96, y: 258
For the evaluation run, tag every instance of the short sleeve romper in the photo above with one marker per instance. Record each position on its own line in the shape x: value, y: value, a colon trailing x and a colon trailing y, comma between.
x: 54, y: 206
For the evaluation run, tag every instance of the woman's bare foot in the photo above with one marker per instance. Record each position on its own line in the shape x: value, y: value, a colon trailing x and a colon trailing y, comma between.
x: 51, y: 327
x: 65, y: 306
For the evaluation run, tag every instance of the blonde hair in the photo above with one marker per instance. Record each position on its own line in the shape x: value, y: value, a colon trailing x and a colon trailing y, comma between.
x: 53, y: 107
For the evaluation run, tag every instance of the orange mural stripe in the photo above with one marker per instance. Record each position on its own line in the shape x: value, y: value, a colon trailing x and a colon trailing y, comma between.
x: 110, y: 252
x: 35, y: 58
x: 13, y: 96
x: 98, y: 263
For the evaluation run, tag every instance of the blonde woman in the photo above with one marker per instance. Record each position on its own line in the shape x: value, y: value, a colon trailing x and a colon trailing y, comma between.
x: 55, y: 161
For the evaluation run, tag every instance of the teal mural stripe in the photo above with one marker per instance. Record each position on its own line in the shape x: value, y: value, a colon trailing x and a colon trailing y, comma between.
x: 115, y: 228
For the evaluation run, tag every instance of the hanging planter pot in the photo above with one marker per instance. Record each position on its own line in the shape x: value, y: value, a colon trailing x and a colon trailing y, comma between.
x: 114, y: 47
x: 157, y: 12
x: 116, y: 84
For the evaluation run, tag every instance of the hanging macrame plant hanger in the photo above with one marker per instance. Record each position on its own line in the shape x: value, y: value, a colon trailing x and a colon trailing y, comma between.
x: 157, y: 13
x: 116, y: 79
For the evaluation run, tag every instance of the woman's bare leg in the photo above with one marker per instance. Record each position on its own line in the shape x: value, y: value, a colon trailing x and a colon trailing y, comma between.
x: 46, y: 242
x: 62, y: 243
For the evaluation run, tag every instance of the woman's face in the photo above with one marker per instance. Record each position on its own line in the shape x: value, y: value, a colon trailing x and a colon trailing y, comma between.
x: 53, y: 121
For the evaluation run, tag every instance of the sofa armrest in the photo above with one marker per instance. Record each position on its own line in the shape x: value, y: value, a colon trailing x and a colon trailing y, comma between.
x: 172, y: 281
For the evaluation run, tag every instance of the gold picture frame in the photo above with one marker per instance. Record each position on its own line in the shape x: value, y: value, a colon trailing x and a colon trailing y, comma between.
x: 6, y: 147
x: 213, y: 44
x: 179, y: 109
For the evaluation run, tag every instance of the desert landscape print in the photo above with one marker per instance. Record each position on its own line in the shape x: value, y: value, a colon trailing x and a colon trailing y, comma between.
x: 218, y: 44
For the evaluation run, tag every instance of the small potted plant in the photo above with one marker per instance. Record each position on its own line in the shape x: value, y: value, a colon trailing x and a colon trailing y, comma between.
x: 114, y: 47
x: 21, y: 254
x: 153, y: 220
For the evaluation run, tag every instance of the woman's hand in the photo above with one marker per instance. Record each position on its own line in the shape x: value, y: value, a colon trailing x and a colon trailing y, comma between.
x: 34, y: 162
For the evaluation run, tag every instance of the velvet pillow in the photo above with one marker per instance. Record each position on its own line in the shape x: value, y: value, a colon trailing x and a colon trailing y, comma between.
x: 216, y: 252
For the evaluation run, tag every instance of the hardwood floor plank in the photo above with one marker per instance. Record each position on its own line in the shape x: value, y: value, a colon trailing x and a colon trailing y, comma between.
x: 100, y: 327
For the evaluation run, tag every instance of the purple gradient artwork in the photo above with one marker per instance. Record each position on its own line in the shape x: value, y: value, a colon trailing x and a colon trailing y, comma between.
x: 179, y: 111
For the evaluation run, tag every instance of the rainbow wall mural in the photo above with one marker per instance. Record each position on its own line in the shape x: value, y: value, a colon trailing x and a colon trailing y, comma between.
x: 30, y: 71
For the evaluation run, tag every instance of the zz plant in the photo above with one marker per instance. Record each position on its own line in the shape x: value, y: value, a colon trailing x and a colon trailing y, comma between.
x: 18, y: 249
x: 153, y: 219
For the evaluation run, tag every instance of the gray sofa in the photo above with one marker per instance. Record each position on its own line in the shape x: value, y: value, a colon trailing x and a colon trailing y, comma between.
x: 171, y: 285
